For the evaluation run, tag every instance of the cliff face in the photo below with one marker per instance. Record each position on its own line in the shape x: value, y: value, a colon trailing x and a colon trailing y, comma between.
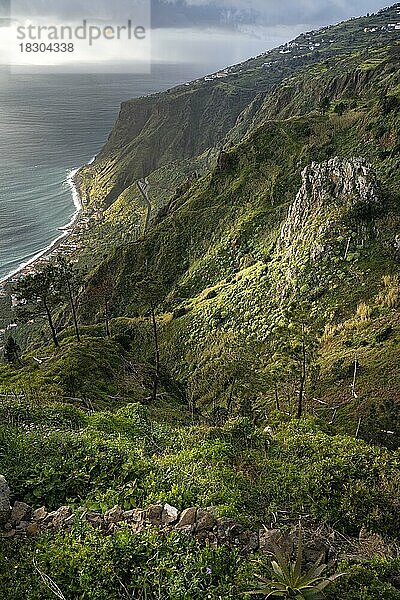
x: 331, y: 216
x: 153, y: 132
x: 167, y: 130
x: 329, y: 191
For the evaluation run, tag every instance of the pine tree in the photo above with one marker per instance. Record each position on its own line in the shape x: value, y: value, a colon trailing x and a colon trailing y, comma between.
x: 37, y: 294
x: 12, y: 351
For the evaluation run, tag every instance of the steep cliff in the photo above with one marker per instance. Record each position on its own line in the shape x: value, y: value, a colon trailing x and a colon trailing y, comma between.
x: 297, y: 221
x: 179, y: 125
x: 157, y: 131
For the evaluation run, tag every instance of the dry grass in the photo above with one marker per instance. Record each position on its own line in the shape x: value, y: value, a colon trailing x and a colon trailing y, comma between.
x: 363, y: 312
x: 389, y: 298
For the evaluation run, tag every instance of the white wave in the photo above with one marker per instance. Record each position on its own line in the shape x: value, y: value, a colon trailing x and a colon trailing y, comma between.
x: 66, y: 229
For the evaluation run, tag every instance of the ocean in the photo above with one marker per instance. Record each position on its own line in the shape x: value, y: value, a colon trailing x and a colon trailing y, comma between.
x: 50, y: 125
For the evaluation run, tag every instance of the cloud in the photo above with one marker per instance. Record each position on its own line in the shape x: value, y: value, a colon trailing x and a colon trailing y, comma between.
x: 203, y: 13
x: 178, y: 13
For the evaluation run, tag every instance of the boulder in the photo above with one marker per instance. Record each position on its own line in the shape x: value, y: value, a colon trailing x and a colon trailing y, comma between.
x: 137, y: 515
x: 270, y: 539
x: 40, y: 513
x: 32, y: 529
x: 170, y: 515
x: 5, y: 509
x: 57, y: 518
x: 94, y: 518
x: 205, y: 520
x: 228, y: 531
x: 154, y: 514
x: 20, y: 512
x: 187, y: 520
x: 114, y: 515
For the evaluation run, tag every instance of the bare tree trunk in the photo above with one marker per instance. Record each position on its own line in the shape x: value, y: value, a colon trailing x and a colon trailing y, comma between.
x: 353, y: 387
x: 50, y: 320
x: 277, y: 403
x: 107, y: 319
x: 157, y: 354
x: 230, y: 399
x: 358, y: 427
x: 303, y: 374
x: 73, y: 308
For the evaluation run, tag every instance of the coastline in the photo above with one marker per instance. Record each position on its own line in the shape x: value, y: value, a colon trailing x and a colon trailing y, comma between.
x: 66, y: 232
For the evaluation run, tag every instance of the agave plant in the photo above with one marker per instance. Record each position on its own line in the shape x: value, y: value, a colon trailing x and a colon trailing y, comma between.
x: 288, y: 581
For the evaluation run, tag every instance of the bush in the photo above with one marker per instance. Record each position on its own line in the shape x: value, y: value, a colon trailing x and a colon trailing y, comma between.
x: 380, y: 579
x: 85, y: 564
x: 125, y: 458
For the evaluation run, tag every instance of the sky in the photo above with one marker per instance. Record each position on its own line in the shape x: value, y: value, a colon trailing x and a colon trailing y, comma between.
x: 187, y: 13
x: 205, y: 13
x: 213, y: 32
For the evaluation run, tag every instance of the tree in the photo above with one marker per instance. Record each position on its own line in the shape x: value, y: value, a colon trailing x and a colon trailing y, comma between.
x: 101, y: 294
x: 12, y: 352
x: 297, y: 349
x: 156, y: 353
x: 37, y: 294
x: 68, y: 281
x: 340, y: 108
x: 324, y: 105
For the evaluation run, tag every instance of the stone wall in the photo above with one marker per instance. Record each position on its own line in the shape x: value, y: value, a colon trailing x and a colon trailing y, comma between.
x: 20, y: 521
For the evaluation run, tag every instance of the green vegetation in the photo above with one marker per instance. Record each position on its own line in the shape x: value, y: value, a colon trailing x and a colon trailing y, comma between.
x: 288, y: 581
x: 241, y: 352
x: 86, y: 564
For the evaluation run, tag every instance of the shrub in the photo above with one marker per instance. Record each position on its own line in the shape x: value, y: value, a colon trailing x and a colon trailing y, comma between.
x: 85, y: 564
x: 380, y: 579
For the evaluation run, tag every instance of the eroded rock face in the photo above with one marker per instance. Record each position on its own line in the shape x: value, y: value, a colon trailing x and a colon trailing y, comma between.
x: 339, y: 185
x: 5, y: 494
x: 329, y: 223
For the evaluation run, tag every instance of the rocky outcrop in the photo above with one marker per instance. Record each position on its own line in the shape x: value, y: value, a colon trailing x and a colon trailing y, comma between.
x: 338, y: 185
x: 329, y: 222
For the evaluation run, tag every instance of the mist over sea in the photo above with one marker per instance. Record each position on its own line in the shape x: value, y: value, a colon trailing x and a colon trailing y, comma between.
x: 50, y: 124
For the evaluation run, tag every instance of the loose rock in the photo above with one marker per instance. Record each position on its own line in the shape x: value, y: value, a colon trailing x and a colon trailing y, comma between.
x: 5, y: 509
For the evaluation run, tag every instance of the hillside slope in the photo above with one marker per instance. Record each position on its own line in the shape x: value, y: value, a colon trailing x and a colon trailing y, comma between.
x: 300, y: 218
x: 237, y: 359
x: 183, y: 123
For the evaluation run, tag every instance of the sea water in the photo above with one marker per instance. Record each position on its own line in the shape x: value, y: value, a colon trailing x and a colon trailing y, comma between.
x: 50, y: 125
